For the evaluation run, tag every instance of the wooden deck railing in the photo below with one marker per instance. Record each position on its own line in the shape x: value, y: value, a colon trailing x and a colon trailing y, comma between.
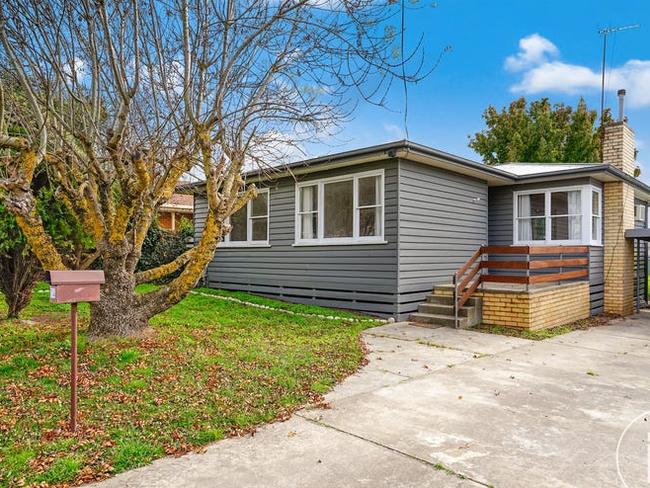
x: 476, y: 270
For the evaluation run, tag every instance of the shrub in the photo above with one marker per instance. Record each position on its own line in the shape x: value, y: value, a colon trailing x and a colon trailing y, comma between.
x: 162, y: 246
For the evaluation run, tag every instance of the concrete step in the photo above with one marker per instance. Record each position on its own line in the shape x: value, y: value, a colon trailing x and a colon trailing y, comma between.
x: 439, y: 309
x: 437, y: 319
x: 449, y: 300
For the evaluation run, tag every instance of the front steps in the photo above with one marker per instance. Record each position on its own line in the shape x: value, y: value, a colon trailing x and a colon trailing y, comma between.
x: 438, y: 310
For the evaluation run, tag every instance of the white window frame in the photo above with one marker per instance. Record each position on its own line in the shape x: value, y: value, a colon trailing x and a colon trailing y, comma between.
x: 599, y: 240
x: 586, y: 212
x: 334, y: 241
x: 249, y: 242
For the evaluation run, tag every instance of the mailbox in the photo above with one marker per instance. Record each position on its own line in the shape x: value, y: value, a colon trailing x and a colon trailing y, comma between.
x: 75, y: 286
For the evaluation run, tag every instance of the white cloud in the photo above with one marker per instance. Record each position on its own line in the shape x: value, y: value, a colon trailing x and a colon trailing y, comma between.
x: 559, y: 77
x: 533, y: 50
x: 540, y: 75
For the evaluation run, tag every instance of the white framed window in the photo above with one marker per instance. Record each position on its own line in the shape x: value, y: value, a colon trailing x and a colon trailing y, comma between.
x: 640, y: 212
x: 250, y: 224
x: 570, y: 215
x: 596, y: 216
x: 341, y: 210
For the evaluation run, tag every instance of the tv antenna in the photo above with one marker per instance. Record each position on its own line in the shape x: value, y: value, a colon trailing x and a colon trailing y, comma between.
x: 605, y: 33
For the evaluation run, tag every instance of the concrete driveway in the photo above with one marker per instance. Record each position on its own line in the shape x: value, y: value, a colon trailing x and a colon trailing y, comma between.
x: 453, y: 408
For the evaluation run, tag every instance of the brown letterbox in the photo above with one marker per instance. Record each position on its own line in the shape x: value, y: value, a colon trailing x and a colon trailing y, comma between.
x: 75, y: 286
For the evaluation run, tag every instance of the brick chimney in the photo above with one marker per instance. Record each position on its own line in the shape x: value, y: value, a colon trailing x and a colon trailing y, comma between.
x: 619, y: 145
x: 619, y: 150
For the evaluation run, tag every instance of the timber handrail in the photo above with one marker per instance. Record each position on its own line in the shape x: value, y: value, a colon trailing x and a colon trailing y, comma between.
x: 476, y: 270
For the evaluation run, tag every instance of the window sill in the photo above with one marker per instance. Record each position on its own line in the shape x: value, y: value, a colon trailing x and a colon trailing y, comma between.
x: 557, y: 243
x: 237, y: 245
x: 337, y: 243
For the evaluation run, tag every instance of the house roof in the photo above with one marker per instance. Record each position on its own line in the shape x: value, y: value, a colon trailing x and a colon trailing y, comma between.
x: 179, y: 202
x: 501, y: 175
x: 526, y: 169
x: 403, y: 148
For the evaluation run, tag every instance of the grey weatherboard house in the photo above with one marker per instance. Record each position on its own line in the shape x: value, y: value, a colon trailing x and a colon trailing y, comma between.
x: 374, y: 229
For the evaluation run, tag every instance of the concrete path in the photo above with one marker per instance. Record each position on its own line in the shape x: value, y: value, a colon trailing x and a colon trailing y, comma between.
x: 452, y: 408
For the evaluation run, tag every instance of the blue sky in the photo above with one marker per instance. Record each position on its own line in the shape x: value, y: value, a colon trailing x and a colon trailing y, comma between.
x: 559, y: 59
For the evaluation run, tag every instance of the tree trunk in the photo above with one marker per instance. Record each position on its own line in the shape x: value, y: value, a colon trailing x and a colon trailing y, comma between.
x: 18, y: 301
x: 19, y: 273
x: 117, y: 313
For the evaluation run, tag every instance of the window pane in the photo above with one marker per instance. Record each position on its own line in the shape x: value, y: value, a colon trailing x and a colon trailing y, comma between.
x: 566, y: 228
x: 595, y: 203
x: 560, y: 228
x: 309, y: 226
x: 370, y: 221
x: 595, y: 224
x: 559, y: 203
x: 308, y: 199
x: 238, y: 223
x: 639, y: 212
x: 565, y: 202
x: 531, y: 229
x: 369, y: 191
x: 530, y: 205
x: 260, y: 229
x: 338, y: 209
x: 259, y: 206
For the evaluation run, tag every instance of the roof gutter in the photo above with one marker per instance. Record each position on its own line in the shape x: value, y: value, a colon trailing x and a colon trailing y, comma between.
x: 596, y: 169
x: 427, y: 155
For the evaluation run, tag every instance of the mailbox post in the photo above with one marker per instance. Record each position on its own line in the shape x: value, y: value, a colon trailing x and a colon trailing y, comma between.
x: 73, y: 287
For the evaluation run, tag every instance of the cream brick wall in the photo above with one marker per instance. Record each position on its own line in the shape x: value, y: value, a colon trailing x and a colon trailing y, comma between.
x: 618, y: 251
x: 619, y: 146
x: 536, y: 309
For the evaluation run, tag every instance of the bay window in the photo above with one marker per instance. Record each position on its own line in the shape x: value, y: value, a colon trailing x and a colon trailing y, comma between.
x: 250, y: 224
x: 558, y: 216
x: 341, y: 210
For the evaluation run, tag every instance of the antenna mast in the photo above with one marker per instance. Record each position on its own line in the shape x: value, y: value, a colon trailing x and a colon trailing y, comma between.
x: 605, y: 33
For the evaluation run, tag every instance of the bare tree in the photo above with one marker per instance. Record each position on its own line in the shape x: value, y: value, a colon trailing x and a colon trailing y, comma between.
x: 124, y: 97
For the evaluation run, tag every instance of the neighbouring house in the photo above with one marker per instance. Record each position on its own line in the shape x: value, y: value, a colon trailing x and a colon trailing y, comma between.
x: 179, y: 206
x: 376, y: 229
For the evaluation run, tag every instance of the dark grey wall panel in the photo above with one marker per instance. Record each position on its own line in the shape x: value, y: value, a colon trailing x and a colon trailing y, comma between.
x: 596, y: 280
x: 500, y: 216
x: 442, y: 222
x: 359, y: 277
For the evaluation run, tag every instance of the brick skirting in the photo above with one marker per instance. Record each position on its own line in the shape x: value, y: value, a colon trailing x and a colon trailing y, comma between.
x: 536, y: 309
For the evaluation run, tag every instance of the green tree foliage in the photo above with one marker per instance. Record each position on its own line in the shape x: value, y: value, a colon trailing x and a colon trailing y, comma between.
x: 19, y: 267
x: 539, y: 132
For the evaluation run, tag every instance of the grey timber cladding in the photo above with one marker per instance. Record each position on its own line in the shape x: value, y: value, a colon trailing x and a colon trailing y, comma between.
x: 500, y: 230
x: 442, y: 222
x: 360, y: 277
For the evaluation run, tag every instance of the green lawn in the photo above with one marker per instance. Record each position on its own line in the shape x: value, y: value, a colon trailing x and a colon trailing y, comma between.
x: 209, y: 369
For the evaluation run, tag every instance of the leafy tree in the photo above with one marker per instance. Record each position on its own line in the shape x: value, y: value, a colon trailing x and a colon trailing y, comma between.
x: 124, y: 97
x: 539, y: 132
x: 20, y: 269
